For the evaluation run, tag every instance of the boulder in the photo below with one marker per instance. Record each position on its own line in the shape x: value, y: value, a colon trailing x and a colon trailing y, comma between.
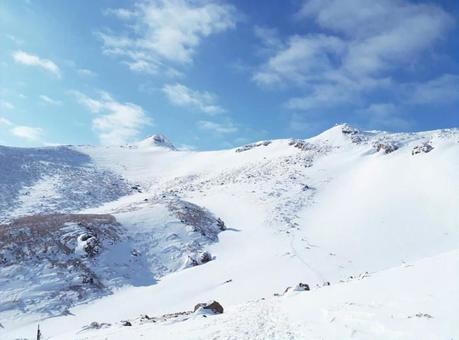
x: 422, y: 148
x: 212, y: 306
x: 302, y: 287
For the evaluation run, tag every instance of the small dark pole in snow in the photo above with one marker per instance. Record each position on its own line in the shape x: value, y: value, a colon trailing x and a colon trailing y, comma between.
x: 38, y: 333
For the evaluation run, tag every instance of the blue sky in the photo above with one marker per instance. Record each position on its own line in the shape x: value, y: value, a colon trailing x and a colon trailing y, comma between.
x: 215, y: 74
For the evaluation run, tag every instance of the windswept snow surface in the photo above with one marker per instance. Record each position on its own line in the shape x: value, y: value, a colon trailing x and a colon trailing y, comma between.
x: 319, y: 210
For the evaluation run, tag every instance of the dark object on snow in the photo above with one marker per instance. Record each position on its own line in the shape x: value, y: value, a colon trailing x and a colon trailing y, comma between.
x: 302, y: 286
x: 38, y: 333
x: 212, y: 306
x: 126, y: 323
x: 198, y: 259
x: 424, y: 148
x: 386, y: 147
x: 349, y: 130
x: 251, y: 146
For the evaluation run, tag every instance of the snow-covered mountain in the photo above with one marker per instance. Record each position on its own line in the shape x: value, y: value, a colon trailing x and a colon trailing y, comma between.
x: 369, y: 221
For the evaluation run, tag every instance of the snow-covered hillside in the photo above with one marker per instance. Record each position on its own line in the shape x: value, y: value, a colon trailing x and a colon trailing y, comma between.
x: 236, y: 226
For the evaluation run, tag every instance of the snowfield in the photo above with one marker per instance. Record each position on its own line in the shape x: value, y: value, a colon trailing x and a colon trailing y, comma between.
x: 368, y: 220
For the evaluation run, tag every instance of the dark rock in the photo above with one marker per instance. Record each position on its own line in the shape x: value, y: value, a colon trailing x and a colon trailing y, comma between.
x: 302, y: 286
x: 212, y: 306
x: 386, y: 147
x: 126, y: 323
x: 253, y: 145
x: 349, y: 130
x: 424, y: 148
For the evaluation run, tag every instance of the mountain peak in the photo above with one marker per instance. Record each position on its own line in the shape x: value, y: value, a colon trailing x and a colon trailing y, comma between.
x: 157, y: 140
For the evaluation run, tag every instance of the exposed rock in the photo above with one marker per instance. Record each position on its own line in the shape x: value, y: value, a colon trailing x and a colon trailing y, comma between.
x: 349, y: 130
x: 253, y: 145
x: 386, y: 147
x: 96, y: 325
x: 211, y: 306
x: 198, y: 259
x: 302, y: 287
x: 69, y: 245
x: 200, y: 219
x: 126, y: 323
x: 424, y: 148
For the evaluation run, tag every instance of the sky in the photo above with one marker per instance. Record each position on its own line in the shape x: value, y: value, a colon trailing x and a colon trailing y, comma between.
x: 212, y: 74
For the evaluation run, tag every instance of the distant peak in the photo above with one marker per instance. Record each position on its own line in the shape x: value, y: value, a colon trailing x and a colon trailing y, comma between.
x: 157, y: 140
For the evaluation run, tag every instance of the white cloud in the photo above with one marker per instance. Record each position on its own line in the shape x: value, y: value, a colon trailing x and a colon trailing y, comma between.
x: 219, y: 128
x: 24, y: 58
x: 5, y: 122
x: 86, y: 73
x: 49, y: 100
x: 161, y: 31
x: 301, y: 59
x: 5, y: 105
x: 29, y: 133
x: 180, y: 95
x: 116, y: 123
x: 385, y: 115
x: 444, y: 89
x: 361, y: 47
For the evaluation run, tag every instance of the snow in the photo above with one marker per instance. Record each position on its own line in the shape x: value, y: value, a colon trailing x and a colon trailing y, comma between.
x: 315, y: 211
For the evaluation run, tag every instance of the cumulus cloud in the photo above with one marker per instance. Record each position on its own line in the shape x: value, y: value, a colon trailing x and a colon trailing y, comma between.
x: 24, y: 58
x: 218, y: 128
x: 180, y: 95
x: 32, y: 134
x: 301, y: 59
x: 29, y: 133
x: 116, y: 123
x: 161, y: 32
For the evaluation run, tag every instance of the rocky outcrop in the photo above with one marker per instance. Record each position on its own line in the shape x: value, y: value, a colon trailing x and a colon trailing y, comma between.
x: 201, y: 220
x: 385, y: 146
x: 63, y: 250
x: 422, y: 148
x: 253, y: 145
x: 212, y: 306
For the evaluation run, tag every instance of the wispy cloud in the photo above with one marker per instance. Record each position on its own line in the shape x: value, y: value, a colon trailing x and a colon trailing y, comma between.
x: 6, y: 105
x: 161, y: 32
x: 49, y: 100
x: 444, y: 89
x: 116, y: 123
x: 359, y: 47
x: 86, y: 73
x: 48, y: 65
x: 181, y: 95
x: 385, y: 115
x: 218, y: 128
x: 5, y: 122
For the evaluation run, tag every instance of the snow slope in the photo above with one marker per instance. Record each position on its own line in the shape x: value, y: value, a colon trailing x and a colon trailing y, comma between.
x: 413, y: 301
x: 319, y: 210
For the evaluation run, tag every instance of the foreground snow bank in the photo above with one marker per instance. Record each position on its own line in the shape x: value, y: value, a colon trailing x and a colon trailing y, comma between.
x: 385, y: 305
